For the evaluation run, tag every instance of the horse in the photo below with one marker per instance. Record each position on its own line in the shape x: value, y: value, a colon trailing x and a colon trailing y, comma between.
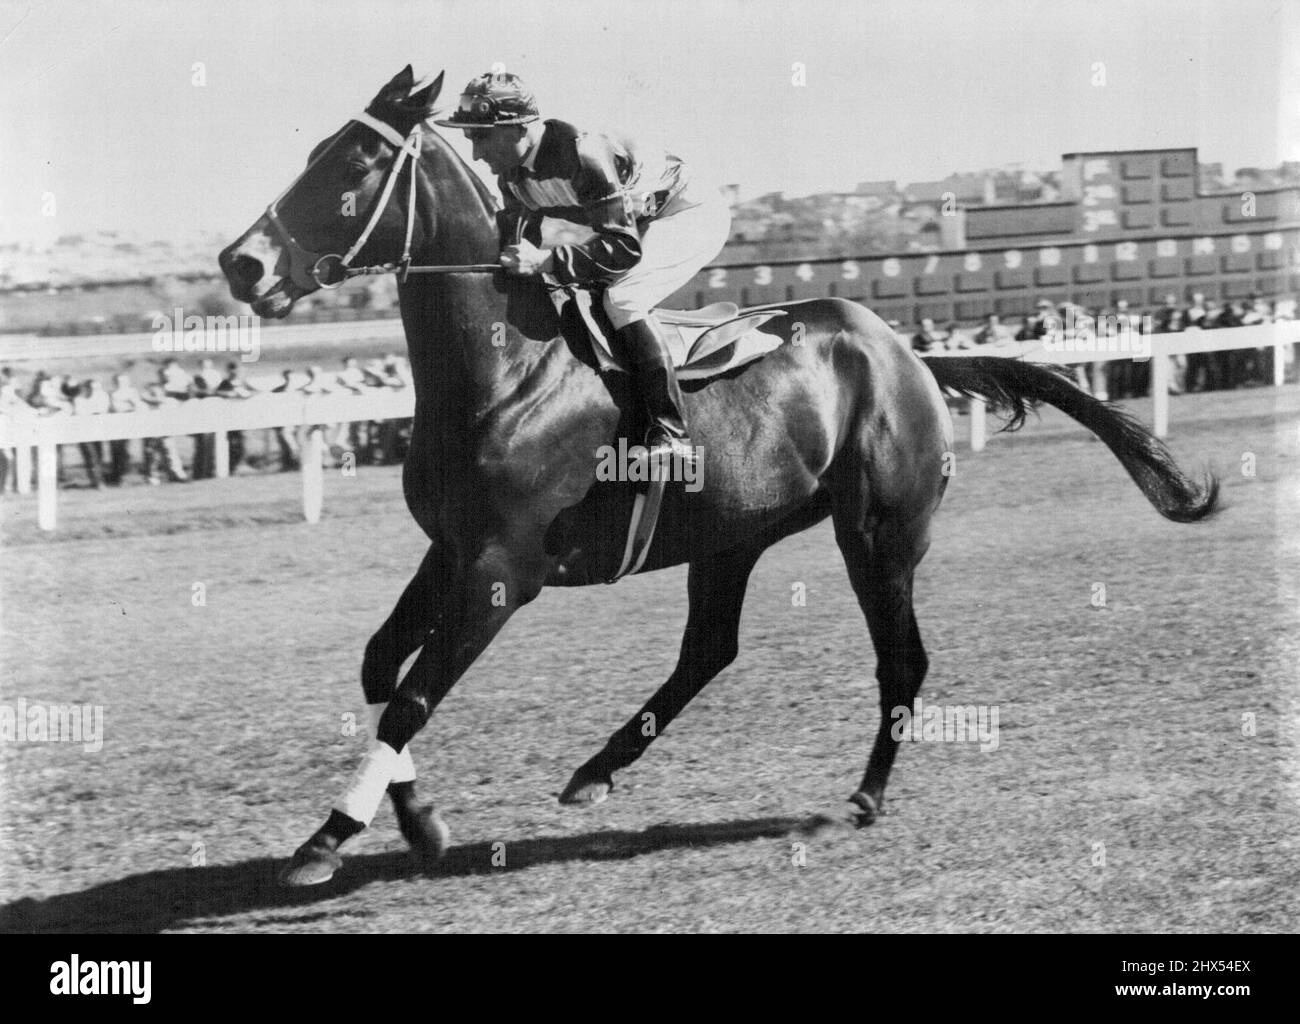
x: 842, y: 420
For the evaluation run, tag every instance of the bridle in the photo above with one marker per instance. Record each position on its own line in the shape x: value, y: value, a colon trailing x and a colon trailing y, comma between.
x: 310, y: 270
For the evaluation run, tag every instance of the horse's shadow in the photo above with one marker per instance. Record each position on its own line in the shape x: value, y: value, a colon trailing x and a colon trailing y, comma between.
x: 178, y: 897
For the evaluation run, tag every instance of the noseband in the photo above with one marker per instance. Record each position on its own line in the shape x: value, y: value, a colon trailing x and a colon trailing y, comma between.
x: 310, y: 270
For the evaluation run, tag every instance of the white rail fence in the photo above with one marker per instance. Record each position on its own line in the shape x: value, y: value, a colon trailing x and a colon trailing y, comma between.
x: 209, y: 416
x: 1279, y: 336
x: 212, y: 416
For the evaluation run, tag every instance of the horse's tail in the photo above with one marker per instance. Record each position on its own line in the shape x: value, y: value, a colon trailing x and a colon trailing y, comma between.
x: 1013, y: 387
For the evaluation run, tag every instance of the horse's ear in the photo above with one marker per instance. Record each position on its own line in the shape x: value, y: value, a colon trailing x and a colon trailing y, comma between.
x: 400, y: 85
x: 425, y: 97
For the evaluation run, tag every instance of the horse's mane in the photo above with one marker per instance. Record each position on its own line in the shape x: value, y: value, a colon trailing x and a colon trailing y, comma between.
x: 485, y: 196
x: 402, y: 118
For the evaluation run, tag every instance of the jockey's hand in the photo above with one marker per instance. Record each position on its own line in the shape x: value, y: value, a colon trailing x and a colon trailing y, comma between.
x: 525, y: 259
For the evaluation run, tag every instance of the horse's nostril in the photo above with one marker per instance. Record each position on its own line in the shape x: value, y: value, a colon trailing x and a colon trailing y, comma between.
x: 242, y: 271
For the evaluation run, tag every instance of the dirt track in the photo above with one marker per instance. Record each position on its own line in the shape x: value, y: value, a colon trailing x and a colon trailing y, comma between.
x: 1122, y: 796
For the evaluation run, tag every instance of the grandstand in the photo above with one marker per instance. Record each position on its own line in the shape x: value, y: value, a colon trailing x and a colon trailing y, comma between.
x: 1132, y: 225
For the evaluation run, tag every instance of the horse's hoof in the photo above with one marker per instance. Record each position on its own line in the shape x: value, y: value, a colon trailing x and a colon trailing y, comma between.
x: 313, y: 863
x: 588, y: 786
x: 427, y: 834
x: 868, y: 809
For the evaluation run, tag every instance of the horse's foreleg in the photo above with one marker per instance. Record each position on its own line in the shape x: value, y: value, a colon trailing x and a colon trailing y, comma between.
x: 471, y: 608
x: 716, y: 587
x: 405, y: 628
x: 402, y: 633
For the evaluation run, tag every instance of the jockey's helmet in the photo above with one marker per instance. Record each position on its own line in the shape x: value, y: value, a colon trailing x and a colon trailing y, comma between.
x: 492, y: 100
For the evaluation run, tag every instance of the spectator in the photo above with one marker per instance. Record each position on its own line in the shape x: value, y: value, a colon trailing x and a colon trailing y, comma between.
x: 929, y: 338
x: 1038, y: 325
x: 959, y: 340
x: 1252, y: 364
x: 350, y: 378
x: 1284, y: 310
x: 90, y: 400
x: 399, y: 370
x: 68, y: 387
x: 47, y: 396
x: 176, y: 383
x: 1090, y: 375
x: 125, y: 397
x: 1170, y: 319
x: 232, y: 386
x: 352, y: 437
x: 385, y: 434
x: 1066, y: 316
x: 1229, y: 362
x: 319, y: 384
x: 204, y: 385
x: 396, y: 434
x: 290, y: 449
x: 1199, y: 367
x: 160, y: 452
x: 48, y: 399
x: 12, y: 406
x: 375, y: 375
x: 1125, y: 377
x: 1214, y: 365
x: 993, y: 332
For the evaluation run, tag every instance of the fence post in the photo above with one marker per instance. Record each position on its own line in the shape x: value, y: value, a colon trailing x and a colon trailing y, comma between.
x: 1160, y: 374
x: 23, y: 467
x: 978, y: 424
x: 313, y: 477
x: 1279, y: 358
x: 221, y: 454
x: 47, y: 486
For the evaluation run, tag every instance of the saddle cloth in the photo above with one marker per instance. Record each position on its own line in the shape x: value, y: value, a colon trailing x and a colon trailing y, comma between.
x: 704, y: 343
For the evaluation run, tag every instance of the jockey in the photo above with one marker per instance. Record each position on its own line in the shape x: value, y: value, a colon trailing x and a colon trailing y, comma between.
x: 654, y: 226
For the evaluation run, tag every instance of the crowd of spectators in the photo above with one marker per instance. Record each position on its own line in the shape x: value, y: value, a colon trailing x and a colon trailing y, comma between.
x: 358, y: 443
x: 1130, y: 378
x: 385, y: 442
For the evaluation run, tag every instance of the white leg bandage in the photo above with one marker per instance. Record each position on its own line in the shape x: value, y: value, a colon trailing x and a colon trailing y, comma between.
x: 404, y: 767
x: 361, y: 799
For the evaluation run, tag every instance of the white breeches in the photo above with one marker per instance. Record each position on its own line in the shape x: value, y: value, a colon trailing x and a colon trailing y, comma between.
x: 687, y: 236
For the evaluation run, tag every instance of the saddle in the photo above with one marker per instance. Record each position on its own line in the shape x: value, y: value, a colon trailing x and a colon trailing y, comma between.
x: 704, y: 343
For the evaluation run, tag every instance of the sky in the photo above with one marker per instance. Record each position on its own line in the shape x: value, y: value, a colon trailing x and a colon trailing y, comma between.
x: 164, y: 118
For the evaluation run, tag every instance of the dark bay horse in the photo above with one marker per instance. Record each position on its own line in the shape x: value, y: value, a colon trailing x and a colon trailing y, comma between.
x: 842, y: 420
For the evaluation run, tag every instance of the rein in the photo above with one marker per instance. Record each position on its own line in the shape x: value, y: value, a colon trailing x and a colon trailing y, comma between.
x: 310, y: 270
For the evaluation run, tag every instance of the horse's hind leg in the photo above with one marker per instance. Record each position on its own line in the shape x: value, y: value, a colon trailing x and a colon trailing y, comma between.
x: 716, y: 586
x: 881, y: 564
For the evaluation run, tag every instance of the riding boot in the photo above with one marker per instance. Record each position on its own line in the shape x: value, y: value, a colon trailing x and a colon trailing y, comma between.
x: 655, y: 380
